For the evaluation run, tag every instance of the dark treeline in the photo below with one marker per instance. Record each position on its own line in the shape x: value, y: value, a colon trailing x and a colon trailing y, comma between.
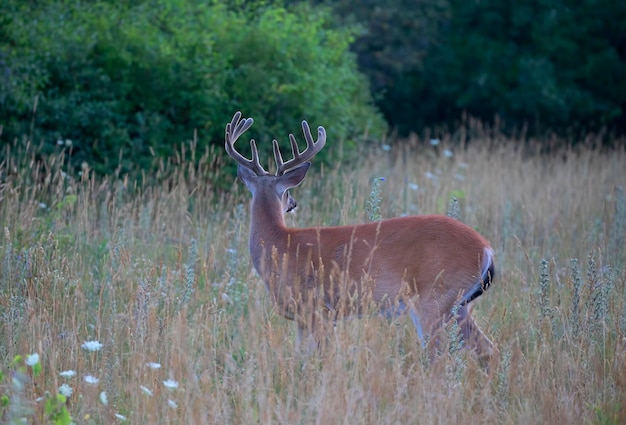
x: 142, y: 76
x: 544, y: 65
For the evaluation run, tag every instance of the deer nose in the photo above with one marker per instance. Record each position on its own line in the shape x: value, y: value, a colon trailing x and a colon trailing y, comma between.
x: 291, y: 205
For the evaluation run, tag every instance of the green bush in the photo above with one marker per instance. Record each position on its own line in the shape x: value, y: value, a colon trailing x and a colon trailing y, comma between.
x: 550, y: 66
x: 141, y: 78
x: 547, y: 66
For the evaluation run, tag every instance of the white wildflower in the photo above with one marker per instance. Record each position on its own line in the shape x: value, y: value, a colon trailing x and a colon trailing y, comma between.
x: 434, y: 142
x: 68, y: 373
x: 60, y: 142
x: 153, y: 365
x: 92, y: 345
x: 386, y: 147
x: 43, y: 205
x: 65, y: 390
x: 413, y: 186
x: 103, y: 398
x: 170, y: 384
x: 90, y: 379
x: 32, y: 359
x: 146, y: 390
x: 172, y: 404
x: 448, y: 153
x: 120, y: 417
x: 18, y: 381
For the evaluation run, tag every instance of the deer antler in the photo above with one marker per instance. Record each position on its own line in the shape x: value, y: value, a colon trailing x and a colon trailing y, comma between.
x: 234, y: 129
x: 238, y: 126
x: 312, y: 148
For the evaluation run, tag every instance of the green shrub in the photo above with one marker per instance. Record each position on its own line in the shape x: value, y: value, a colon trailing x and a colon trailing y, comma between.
x: 142, y: 78
x: 546, y: 66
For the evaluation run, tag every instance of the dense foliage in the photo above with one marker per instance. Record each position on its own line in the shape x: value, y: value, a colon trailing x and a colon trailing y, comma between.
x: 141, y: 78
x: 556, y: 65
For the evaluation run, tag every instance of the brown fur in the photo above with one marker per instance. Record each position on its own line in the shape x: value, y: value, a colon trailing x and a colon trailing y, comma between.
x: 424, y: 264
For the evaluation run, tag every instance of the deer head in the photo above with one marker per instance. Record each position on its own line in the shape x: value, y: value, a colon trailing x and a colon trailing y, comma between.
x: 288, y: 175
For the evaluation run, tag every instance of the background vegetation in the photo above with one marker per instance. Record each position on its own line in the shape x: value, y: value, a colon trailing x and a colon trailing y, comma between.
x: 532, y: 66
x: 162, y: 276
x: 143, y: 77
x: 130, y: 298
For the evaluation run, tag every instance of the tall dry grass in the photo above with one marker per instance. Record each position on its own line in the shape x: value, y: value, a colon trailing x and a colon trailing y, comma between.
x: 161, y: 275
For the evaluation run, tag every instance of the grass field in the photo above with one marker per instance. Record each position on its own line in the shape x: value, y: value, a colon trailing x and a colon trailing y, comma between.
x: 160, y: 276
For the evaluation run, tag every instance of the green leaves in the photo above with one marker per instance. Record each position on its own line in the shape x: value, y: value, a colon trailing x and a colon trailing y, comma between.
x: 55, y: 410
x: 540, y: 65
x: 12, y: 404
x: 140, y: 78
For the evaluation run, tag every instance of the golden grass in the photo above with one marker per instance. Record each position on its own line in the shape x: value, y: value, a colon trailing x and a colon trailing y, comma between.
x: 161, y: 274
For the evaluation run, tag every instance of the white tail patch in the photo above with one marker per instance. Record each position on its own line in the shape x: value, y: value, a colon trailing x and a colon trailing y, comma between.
x: 481, y: 284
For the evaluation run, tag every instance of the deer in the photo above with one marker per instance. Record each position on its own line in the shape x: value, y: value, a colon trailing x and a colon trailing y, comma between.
x: 427, y: 266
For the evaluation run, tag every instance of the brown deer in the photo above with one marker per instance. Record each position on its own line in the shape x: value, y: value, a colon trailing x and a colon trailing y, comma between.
x: 428, y: 266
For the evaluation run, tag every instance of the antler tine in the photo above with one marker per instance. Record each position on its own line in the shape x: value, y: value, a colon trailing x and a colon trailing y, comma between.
x: 278, y: 158
x: 312, y: 148
x: 234, y: 129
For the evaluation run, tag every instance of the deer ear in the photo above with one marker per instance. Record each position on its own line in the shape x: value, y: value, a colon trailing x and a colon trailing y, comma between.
x: 293, y: 177
x: 247, y: 176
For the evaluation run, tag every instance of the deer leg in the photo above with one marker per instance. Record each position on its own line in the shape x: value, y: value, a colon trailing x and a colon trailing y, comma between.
x: 429, y: 324
x: 313, y: 331
x: 305, y: 339
x: 418, y: 326
x: 473, y: 336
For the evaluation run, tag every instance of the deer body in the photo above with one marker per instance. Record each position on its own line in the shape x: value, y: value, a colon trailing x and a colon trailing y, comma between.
x: 420, y: 265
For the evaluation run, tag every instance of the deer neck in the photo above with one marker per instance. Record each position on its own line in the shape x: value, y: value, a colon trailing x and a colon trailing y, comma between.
x: 267, y: 231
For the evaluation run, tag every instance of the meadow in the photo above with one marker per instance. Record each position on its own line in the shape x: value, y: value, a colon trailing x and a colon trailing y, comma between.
x: 142, y: 307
